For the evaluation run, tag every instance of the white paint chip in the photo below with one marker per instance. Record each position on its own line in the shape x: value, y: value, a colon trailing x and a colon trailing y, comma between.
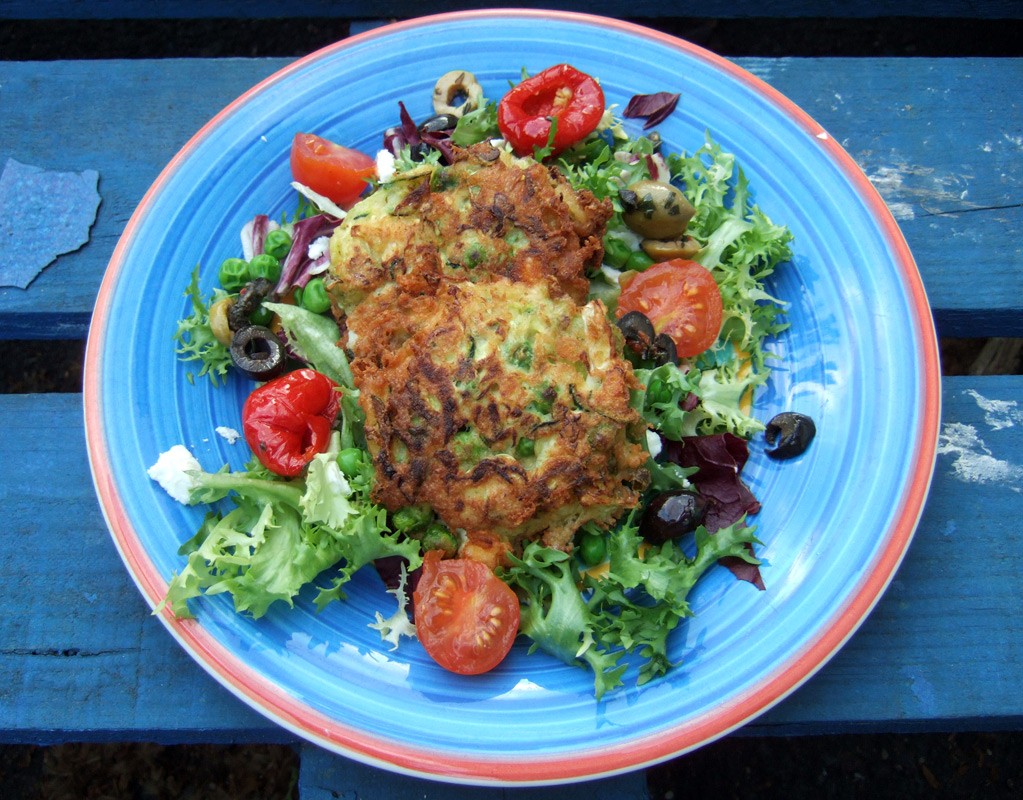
x: 973, y: 461
x: 999, y: 414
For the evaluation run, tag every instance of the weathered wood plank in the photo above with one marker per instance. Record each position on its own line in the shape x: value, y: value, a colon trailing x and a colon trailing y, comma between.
x: 83, y: 659
x: 62, y: 116
x: 255, y: 9
x: 953, y: 180
x: 324, y: 776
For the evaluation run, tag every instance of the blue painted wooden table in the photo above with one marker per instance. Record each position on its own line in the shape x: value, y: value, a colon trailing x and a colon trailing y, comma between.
x: 942, y: 139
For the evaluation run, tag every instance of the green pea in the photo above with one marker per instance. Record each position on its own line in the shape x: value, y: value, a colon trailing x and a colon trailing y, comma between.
x: 261, y: 316
x: 349, y: 461
x: 265, y: 266
x: 616, y: 251
x: 438, y: 537
x: 592, y: 549
x: 315, y: 297
x: 277, y: 244
x: 638, y: 261
x: 411, y: 518
x: 234, y: 274
x: 525, y: 448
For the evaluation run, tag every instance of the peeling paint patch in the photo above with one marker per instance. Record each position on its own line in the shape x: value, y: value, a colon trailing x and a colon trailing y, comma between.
x: 909, y: 189
x: 973, y: 461
x: 922, y: 689
x: 888, y: 181
x: 999, y: 414
x: 901, y: 210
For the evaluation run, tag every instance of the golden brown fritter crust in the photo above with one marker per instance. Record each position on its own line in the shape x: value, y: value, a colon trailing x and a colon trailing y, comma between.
x: 491, y: 392
x: 503, y: 408
x: 487, y: 214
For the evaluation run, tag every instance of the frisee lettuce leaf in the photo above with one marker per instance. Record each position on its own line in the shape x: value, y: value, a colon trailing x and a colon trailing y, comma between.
x: 632, y: 609
x: 282, y: 534
x: 556, y: 617
x: 195, y: 338
x: 477, y: 126
x: 741, y: 247
x: 659, y: 402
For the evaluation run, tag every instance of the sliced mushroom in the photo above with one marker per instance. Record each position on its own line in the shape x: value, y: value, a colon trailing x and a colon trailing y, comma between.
x: 457, y: 92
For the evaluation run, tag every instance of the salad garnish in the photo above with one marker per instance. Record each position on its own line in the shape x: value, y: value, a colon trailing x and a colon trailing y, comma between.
x: 675, y: 302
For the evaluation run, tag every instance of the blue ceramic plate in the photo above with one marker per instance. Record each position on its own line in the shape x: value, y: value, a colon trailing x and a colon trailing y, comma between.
x: 860, y: 358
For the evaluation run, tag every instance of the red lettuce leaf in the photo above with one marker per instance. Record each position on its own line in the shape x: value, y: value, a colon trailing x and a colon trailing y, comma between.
x: 297, y: 264
x: 720, y: 459
x: 654, y: 108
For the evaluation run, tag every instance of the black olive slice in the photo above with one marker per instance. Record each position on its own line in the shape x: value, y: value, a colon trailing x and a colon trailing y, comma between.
x: 638, y: 330
x: 249, y: 300
x: 438, y: 123
x: 258, y: 353
x: 419, y: 151
x: 793, y: 433
x: 670, y: 515
x: 662, y: 350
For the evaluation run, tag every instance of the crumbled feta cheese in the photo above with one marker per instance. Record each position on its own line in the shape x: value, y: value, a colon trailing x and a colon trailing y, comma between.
x: 171, y: 472
x: 611, y: 273
x: 230, y: 434
x: 653, y: 443
x: 318, y: 247
x: 385, y: 165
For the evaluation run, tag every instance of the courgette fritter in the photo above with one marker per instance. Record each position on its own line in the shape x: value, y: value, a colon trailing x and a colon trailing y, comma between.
x: 493, y: 391
x: 503, y: 407
x: 488, y: 213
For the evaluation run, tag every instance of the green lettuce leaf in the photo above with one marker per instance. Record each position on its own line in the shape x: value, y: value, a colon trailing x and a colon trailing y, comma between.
x: 195, y: 338
x: 632, y: 609
x: 477, y: 126
x: 741, y: 247
x: 659, y: 402
x: 281, y: 535
x: 555, y: 615
x: 314, y: 338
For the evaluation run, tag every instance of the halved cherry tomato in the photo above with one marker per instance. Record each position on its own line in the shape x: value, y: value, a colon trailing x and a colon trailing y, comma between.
x: 288, y: 420
x: 330, y: 169
x: 562, y: 92
x: 681, y: 298
x: 466, y: 617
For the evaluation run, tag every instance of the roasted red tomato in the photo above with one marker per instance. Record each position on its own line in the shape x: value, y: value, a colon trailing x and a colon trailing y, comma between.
x: 681, y: 298
x: 466, y: 617
x: 560, y: 92
x: 330, y: 169
x: 288, y: 420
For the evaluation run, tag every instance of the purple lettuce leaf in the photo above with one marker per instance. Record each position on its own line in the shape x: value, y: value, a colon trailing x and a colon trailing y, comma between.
x: 297, y: 267
x: 654, y: 108
x: 720, y: 459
